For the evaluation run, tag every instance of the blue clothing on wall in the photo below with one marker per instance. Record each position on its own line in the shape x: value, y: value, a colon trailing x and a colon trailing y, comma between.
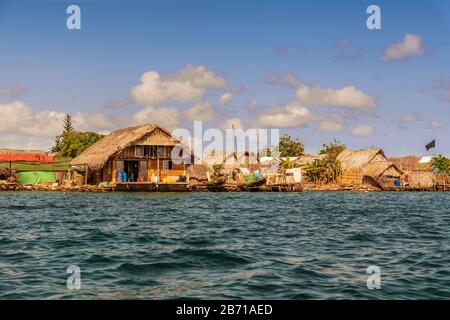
x: 119, y: 176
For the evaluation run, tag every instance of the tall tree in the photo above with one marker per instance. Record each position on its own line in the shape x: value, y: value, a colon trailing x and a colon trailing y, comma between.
x: 68, y: 127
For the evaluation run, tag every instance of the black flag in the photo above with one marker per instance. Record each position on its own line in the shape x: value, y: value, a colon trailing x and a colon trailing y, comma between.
x: 432, y: 144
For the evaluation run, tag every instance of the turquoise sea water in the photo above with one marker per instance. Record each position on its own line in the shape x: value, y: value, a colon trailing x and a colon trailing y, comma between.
x: 225, y: 245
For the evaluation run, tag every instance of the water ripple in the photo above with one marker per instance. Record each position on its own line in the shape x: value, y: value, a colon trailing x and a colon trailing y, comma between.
x: 225, y: 246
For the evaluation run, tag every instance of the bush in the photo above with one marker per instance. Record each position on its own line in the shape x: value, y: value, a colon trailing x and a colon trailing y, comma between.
x: 440, y: 164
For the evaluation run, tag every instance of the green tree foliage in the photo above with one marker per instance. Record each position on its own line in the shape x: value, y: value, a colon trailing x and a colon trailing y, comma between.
x: 287, y: 164
x: 72, y: 144
x: 440, y: 164
x: 290, y: 148
x: 327, y: 169
x: 333, y: 148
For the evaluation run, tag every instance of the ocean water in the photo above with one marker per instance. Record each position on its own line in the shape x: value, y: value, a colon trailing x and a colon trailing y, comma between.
x: 309, y: 245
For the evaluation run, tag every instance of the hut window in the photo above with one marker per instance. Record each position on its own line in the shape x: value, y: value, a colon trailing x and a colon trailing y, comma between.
x: 109, y: 167
x: 167, y: 165
x: 149, y: 151
x: 139, y: 151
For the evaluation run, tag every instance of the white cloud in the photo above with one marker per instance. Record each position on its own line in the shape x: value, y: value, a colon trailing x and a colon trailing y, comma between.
x: 17, y: 141
x: 166, y: 117
x: 225, y: 98
x: 347, y: 97
x: 95, y: 122
x: 435, y: 125
x: 290, y: 116
x: 186, y: 85
x: 18, y: 118
x: 410, y: 46
x: 201, y: 111
x: 363, y: 130
x: 332, y: 124
x: 21, y: 128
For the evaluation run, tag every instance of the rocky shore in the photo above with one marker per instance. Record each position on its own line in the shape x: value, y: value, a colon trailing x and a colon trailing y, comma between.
x: 53, y: 187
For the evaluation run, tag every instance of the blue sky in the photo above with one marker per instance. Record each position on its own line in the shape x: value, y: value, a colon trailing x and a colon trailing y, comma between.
x: 248, y: 50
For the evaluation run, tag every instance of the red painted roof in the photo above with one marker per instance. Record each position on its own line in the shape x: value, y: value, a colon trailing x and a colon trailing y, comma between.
x: 42, y: 158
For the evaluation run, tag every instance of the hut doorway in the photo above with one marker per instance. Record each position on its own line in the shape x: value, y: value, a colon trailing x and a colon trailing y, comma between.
x: 131, y: 168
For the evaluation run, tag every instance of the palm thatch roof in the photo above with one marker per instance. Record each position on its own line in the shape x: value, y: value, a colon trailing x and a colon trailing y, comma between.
x: 357, y: 159
x: 307, y: 159
x: 410, y: 163
x: 97, y: 155
x: 368, y: 162
x: 198, y: 171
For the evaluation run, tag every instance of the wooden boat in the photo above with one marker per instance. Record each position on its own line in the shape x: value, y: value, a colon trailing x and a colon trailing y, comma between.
x: 257, y: 183
x: 217, y: 181
x: 253, y: 185
x: 217, y: 184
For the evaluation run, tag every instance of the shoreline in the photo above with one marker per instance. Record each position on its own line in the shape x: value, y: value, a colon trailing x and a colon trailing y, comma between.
x: 13, y: 187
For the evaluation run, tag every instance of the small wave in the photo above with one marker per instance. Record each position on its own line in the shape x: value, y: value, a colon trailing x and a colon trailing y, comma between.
x: 212, y: 256
x: 363, y: 237
x: 154, y: 267
x: 98, y: 259
x: 302, y: 271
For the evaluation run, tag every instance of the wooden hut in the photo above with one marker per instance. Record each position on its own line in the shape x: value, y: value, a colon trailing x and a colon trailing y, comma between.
x: 198, y: 173
x: 420, y: 180
x: 133, y: 157
x: 367, y: 167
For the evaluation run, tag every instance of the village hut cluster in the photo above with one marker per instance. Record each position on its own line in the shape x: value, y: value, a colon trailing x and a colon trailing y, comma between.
x: 147, y: 158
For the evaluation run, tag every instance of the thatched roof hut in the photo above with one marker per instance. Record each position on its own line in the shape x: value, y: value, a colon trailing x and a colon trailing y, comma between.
x: 421, y: 179
x: 96, y: 156
x: 368, y: 166
x: 410, y: 163
x: 198, y: 172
